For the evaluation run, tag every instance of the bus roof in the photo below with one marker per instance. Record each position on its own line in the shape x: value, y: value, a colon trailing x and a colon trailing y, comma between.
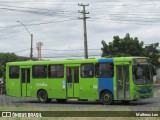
x: 115, y: 59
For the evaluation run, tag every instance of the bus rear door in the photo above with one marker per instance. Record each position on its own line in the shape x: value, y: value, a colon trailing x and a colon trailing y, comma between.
x: 72, y: 82
x: 122, y: 82
x: 25, y: 82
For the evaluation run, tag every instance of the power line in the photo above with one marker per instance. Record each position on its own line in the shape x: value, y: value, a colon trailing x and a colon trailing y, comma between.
x: 116, y: 18
x: 35, y: 24
x: 21, y: 51
x: 69, y: 56
x: 22, y: 32
x: 124, y: 22
x: 70, y: 49
x: 11, y: 7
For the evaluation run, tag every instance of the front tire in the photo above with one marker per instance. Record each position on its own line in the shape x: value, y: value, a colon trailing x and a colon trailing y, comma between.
x: 106, y: 98
x: 43, y: 97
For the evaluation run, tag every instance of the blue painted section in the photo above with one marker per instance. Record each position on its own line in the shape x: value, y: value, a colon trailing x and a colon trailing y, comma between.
x: 102, y: 60
x: 105, y: 83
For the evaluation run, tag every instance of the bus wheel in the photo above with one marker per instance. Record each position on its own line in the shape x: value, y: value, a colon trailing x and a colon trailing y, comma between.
x: 43, y: 97
x: 106, y: 98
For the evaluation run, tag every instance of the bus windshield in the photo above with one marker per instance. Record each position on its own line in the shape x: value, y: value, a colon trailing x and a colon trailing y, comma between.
x: 142, y: 74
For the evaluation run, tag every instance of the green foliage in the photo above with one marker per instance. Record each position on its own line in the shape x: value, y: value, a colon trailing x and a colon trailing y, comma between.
x: 129, y: 46
x: 153, y: 53
x: 8, y: 57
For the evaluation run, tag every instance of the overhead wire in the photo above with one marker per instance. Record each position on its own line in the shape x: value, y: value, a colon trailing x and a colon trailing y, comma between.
x: 42, y: 13
x: 117, y: 18
x: 36, y: 24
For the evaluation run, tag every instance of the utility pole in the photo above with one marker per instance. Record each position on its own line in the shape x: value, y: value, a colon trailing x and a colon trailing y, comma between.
x: 85, y: 28
x: 31, y: 55
x: 39, y: 44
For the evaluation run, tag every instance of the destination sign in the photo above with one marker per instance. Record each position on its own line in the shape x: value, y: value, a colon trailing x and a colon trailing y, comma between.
x: 141, y: 60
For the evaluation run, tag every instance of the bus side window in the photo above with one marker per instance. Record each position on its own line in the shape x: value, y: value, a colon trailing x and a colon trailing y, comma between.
x: 56, y: 71
x: 14, y: 72
x: 87, y: 70
x: 104, y: 70
x: 39, y: 71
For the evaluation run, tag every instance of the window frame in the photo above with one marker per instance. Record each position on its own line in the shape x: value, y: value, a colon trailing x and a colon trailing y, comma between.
x: 46, y: 72
x: 49, y: 71
x: 97, y: 71
x: 93, y: 72
x: 18, y: 75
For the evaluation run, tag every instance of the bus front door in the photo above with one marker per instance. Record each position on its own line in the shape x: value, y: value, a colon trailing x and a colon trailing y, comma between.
x: 72, y: 82
x: 25, y: 82
x: 123, y: 84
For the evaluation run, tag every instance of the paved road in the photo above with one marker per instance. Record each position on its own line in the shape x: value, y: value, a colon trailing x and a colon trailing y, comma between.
x: 151, y: 104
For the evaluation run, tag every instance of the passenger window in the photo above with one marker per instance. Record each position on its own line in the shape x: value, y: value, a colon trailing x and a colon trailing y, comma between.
x: 104, y: 70
x: 56, y: 71
x: 76, y: 75
x: 39, y: 71
x: 87, y: 70
x: 69, y: 75
x: 14, y: 72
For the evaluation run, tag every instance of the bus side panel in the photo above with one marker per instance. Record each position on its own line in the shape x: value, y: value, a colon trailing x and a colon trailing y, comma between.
x: 105, y: 83
x: 38, y: 84
x: 13, y: 86
x: 89, y: 88
x: 57, y: 88
x: 7, y: 81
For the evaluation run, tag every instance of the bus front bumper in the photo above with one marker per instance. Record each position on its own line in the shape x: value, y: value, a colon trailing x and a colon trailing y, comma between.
x: 142, y: 94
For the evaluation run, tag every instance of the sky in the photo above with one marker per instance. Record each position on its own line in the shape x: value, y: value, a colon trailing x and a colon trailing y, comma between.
x: 56, y: 24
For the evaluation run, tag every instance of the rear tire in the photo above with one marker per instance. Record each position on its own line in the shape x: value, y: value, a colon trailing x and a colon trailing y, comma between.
x: 106, y: 98
x: 43, y: 97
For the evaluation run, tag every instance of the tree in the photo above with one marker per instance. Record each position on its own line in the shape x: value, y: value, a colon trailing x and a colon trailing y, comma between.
x: 153, y: 53
x: 129, y: 46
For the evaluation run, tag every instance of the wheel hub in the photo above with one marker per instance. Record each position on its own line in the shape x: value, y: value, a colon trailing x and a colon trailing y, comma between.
x: 106, y: 97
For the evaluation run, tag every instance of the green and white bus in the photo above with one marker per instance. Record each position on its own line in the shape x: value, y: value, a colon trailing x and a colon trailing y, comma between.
x: 104, y: 79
